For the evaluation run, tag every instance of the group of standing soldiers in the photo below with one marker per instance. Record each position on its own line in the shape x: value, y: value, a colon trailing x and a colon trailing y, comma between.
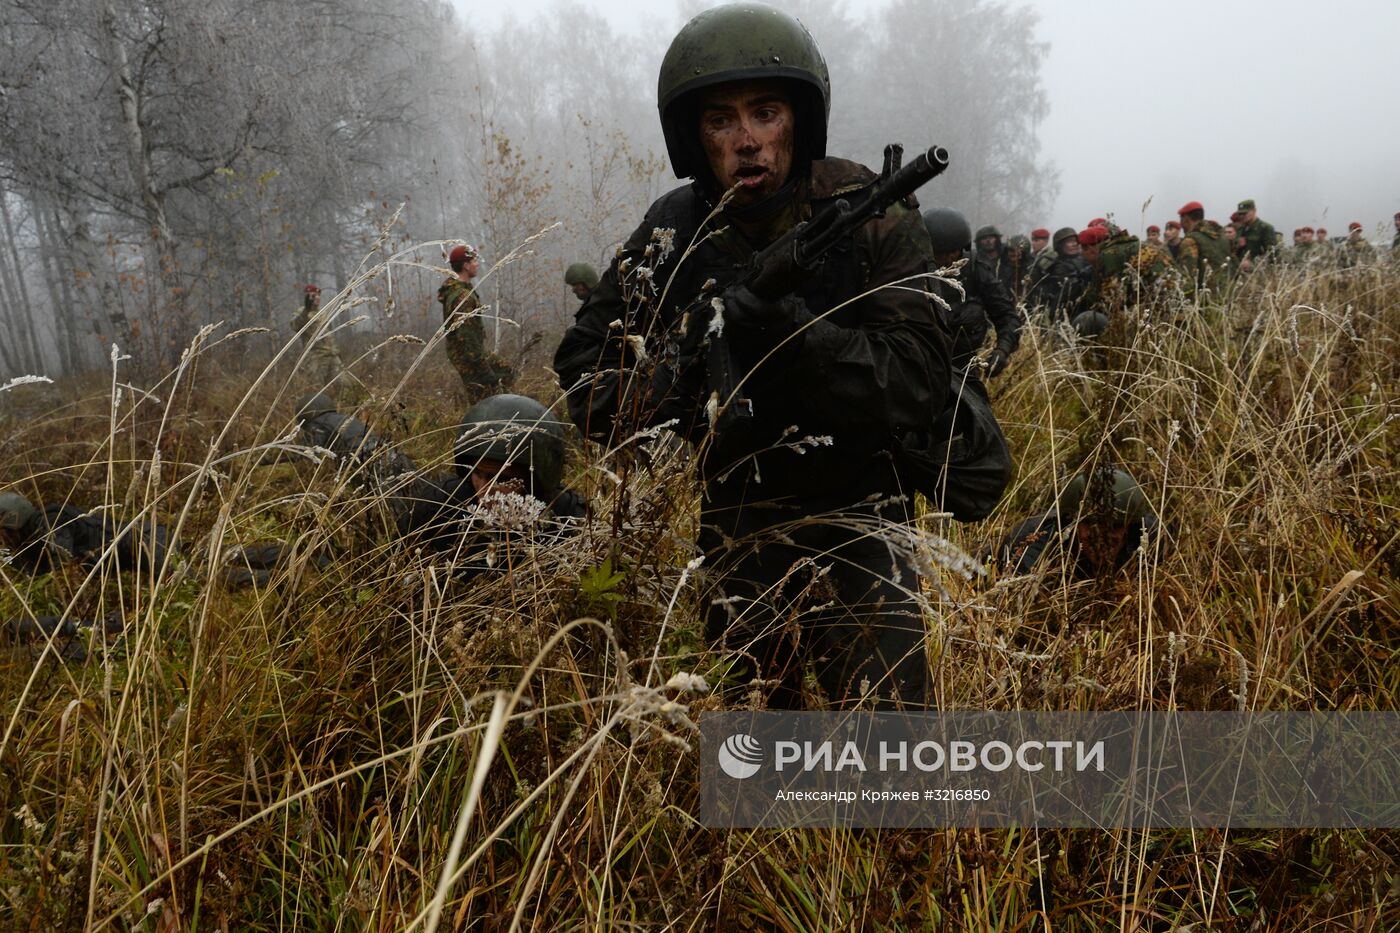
x: 1082, y: 276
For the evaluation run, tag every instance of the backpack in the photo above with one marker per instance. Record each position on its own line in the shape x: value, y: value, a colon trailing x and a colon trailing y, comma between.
x: 962, y: 463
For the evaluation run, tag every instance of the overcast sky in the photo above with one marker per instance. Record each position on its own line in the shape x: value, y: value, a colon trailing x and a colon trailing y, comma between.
x: 1295, y: 103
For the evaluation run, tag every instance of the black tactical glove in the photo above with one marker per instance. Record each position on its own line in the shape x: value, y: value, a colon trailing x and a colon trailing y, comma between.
x: 996, y: 362
x: 745, y: 311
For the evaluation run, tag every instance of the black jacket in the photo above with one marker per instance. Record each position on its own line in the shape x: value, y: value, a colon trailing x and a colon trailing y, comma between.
x: 866, y: 362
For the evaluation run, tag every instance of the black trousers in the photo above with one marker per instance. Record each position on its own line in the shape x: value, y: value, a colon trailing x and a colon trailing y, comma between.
x: 805, y: 582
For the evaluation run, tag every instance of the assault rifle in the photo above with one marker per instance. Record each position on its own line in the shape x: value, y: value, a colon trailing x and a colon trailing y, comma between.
x: 779, y: 268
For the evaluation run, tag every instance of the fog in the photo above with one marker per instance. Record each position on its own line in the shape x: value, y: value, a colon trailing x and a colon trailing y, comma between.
x: 1291, y: 103
x: 154, y: 182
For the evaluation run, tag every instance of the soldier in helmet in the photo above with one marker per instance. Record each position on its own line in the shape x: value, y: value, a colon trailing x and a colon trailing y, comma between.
x: 1060, y: 278
x: 509, y: 452
x: 481, y: 370
x: 1101, y: 519
x: 39, y: 540
x: 323, y: 363
x: 985, y: 299
x: 582, y: 279
x: 846, y: 358
x: 993, y: 253
x: 506, y: 481
x: 347, y: 436
x: 1204, y: 258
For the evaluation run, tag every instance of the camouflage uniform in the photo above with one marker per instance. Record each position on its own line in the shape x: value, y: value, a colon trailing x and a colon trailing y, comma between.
x: 1125, y: 265
x: 322, y: 359
x: 1259, y: 240
x: 481, y: 370
x: 1299, y: 254
x: 1204, y: 259
x: 1357, y: 253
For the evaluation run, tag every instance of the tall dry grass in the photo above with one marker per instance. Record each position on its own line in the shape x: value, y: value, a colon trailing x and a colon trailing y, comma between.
x: 383, y: 745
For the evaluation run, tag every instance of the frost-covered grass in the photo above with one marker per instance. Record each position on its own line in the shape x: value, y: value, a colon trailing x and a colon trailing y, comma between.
x: 379, y: 745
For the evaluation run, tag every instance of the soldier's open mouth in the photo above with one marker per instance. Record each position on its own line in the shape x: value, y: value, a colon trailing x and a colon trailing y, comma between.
x: 751, y: 175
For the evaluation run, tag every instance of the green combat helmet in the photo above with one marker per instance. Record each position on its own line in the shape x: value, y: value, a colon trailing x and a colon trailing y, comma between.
x: 15, y: 512
x: 314, y: 406
x: 342, y: 435
x: 1090, y: 323
x: 1062, y: 234
x: 581, y: 273
x: 1114, y: 493
x: 948, y: 230
x: 987, y: 231
x: 517, y: 430
x: 741, y: 42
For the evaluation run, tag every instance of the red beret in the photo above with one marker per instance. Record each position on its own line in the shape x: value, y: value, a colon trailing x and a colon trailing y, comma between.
x: 1354, y: 225
x: 461, y: 254
x: 312, y: 290
x: 1040, y: 233
x: 1190, y: 206
x: 1097, y: 222
x: 1305, y: 229
x: 1092, y: 236
x: 1173, y: 225
x: 1154, y: 229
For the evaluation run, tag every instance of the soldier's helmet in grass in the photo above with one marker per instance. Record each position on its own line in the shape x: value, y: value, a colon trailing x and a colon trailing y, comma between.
x: 741, y: 42
x: 15, y: 511
x: 948, y: 230
x: 1106, y: 494
x: 1090, y: 323
x: 314, y: 406
x: 513, y: 429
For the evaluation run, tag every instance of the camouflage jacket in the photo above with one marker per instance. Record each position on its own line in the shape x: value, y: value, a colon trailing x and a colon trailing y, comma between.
x: 1257, y: 240
x: 322, y: 356
x: 1204, y: 259
x: 480, y: 369
x: 1127, y: 268
x: 866, y: 361
x: 1357, y: 252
